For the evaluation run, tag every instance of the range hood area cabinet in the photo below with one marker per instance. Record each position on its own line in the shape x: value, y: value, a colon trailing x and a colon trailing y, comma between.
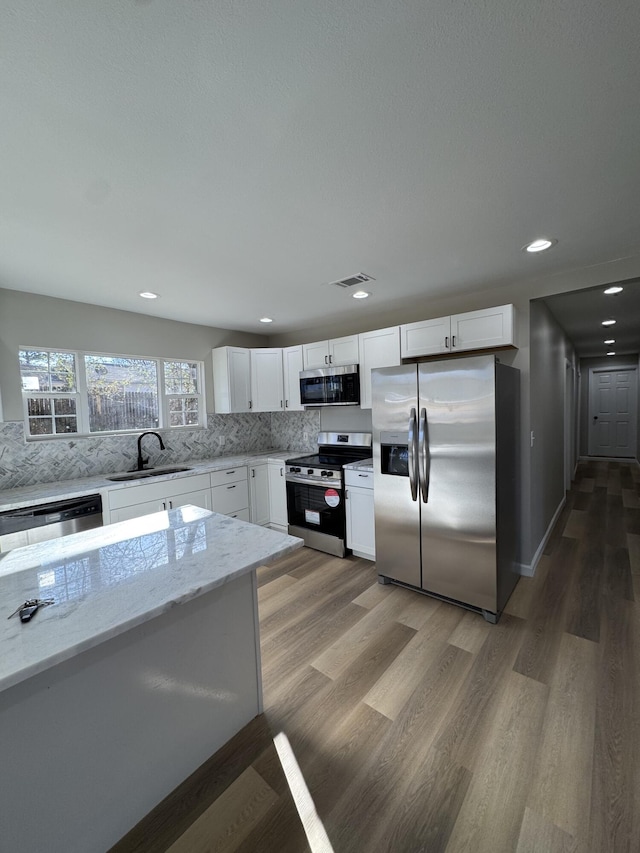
x: 332, y: 352
x: 487, y: 328
x: 256, y: 380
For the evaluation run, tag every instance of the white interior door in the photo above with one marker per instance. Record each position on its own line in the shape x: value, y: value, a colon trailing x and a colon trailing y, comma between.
x: 613, y: 412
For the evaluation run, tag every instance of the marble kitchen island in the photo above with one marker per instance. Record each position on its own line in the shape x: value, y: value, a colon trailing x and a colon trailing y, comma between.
x: 147, y: 663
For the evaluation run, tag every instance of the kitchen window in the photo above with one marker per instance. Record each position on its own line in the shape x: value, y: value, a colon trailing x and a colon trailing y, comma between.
x: 88, y: 393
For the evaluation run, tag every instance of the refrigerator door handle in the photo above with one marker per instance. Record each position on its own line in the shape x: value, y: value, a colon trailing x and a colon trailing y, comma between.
x: 411, y: 446
x: 424, y: 459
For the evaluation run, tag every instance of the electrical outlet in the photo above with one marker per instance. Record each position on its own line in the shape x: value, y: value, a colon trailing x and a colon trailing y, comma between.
x: 223, y: 440
x: 305, y: 437
x: 533, y: 438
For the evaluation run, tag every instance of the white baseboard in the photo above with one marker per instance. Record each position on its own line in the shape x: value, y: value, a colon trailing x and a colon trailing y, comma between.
x: 529, y: 571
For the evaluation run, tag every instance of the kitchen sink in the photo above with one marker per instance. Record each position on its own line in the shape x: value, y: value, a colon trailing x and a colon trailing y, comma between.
x: 148, y: 472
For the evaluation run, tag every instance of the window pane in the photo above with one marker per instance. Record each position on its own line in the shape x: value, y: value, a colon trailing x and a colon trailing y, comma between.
x: 183, y: 411
x: 40, y: 426
x: 123, y: 393
x: 181, y: 377
x: 47, y: 371
x: 64, y: 405
x: 39, y: 406
x: 66, y: 425
x: 176, y: 419
x: 191, y: 418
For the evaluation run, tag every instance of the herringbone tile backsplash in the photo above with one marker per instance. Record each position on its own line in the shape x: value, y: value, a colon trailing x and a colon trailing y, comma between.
x: 25, y: 463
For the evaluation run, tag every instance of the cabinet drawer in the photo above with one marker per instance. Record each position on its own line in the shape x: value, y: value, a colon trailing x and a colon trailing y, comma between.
x: 229, y: 475
x: 364, y: 479
x: 157, y: 491
x: 241, y: 514
x: 230, y: 497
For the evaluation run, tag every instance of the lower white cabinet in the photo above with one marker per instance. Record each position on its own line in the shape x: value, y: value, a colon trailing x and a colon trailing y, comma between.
x: 277, y: 496
x: 361, y: 534
x: 135, y: 501
x: 230, y: 492
x: 259, y: 487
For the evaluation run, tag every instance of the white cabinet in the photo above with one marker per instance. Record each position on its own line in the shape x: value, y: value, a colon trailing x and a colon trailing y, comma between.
x: 483, y: 329
x: 336, y: 351
x: 490, y: 327
x: 425, y: 337
x: 361, y: 535
x: 259, y: 485
x: 380, y: 348
x: 231, y: 379
x: 292, y: 364
x: 135, y: 501
x: 277, y: 496
x: 267, y: 392
x: 230, y: 492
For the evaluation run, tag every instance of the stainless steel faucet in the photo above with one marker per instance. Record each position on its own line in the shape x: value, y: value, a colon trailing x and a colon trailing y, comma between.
x: 142, y: 462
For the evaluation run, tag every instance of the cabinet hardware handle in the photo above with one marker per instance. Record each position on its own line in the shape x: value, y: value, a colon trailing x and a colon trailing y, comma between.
x: 231, y: 487
x: 280, y: 403
x: 286, y: 404
x: 446, y: 342
x: 453, y: 341
x: 170, y: 504
x: 253, y: 472
x: 363, y: 475
x: 231, y: 472
x: 326, y: 359
x: 330, y: 359
x: 164, y: 504
x: 250, y: 404
x: 282, y: 472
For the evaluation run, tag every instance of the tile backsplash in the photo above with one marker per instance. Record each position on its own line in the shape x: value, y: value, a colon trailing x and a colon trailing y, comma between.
x: 25, y: 463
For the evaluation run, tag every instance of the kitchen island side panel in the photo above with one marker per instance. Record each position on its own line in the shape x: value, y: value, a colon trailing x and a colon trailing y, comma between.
x: 93, y: 744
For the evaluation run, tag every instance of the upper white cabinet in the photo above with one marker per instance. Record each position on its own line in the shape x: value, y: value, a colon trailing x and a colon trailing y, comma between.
x: 483, y: 329
x: 380, y: 348
x: 267, y: 390
x: 231, y: 379
x: 336, y: 351
x: 292, y: 364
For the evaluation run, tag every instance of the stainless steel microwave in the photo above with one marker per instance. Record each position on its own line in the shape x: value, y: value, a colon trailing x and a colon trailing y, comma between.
x: 330, y: 386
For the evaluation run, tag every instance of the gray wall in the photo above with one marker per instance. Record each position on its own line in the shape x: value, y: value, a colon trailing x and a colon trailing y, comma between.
x: 611, y: 363
x: 27, y: 319
x: 550, y: 350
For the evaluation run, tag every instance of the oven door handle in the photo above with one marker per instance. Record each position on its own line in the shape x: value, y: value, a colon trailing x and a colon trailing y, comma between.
x: 320, y: 484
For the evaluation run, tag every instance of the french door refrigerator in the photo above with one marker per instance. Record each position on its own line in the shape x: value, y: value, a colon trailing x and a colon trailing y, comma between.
x: 445, y: 437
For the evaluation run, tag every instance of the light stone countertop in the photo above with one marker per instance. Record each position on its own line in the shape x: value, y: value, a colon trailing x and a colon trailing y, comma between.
x: 63, y: 489
x: 362, y: 465
x: 108, y: 580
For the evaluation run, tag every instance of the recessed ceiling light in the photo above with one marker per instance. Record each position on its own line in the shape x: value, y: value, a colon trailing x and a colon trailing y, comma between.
x: 608, y: 322
x: 614, y: 289
x: 360, y: 294
x: 147, y: 294
x: 610, y: 341
x: 611, y: 353
x: 266, y: 320
x: 540, y: 244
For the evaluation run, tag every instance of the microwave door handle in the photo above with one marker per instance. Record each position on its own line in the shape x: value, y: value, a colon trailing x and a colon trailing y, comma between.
x: 411, y: 447
x: 424, y: 456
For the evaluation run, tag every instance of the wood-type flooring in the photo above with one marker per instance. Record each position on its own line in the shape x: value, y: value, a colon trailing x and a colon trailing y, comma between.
x: 417, y: 726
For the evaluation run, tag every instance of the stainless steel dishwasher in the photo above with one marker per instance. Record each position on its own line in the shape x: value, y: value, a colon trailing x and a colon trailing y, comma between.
x: 31, y: 524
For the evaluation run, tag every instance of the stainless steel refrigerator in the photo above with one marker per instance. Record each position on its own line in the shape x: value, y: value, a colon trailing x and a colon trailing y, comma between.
x: 445, y: 437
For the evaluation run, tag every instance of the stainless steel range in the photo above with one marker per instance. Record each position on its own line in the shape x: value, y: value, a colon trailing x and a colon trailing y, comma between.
x: 315, y: 490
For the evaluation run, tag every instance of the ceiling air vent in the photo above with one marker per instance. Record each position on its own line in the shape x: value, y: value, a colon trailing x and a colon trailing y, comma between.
x: 352, y: 280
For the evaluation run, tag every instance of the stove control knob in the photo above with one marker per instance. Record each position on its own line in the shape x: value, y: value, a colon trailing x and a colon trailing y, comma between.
x: 309, y: 470
x: 329, y: 473
x: 295, y: 470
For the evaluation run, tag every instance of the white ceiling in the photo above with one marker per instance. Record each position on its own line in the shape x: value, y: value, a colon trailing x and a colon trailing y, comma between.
x: 236, y: 155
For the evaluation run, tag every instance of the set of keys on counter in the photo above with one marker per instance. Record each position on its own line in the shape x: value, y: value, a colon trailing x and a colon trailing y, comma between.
x: 30, y: 608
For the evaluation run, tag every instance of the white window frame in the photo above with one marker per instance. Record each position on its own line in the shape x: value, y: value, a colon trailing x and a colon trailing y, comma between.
x: 82, y: 399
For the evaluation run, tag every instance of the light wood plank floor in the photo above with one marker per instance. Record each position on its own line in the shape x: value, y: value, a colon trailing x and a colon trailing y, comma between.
x: 417, y: 726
